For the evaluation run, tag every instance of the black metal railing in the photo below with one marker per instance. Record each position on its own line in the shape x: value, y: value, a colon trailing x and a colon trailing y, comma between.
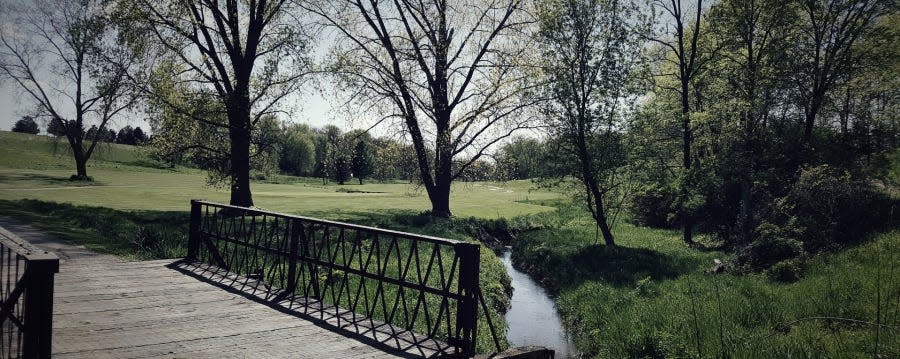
x: 418, y: 292
x: 26, y: 292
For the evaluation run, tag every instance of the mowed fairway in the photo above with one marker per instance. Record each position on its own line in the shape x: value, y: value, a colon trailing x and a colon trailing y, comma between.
x: 125, y: 179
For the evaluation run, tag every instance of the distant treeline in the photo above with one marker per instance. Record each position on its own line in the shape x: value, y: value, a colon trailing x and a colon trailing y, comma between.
x: 126, y: 135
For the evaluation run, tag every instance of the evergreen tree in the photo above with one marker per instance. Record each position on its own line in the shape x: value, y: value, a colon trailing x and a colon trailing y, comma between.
x: 26, y: 125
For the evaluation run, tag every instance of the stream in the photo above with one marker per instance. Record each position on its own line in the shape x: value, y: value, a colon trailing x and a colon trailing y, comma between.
x: 532, y: 317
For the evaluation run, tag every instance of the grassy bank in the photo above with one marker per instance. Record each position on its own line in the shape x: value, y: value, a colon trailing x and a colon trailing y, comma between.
x: 652, y: 297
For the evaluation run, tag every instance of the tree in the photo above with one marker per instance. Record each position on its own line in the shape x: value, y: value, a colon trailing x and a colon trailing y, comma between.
x: 824, y: 53
x: 245, y: 56
x: 362, y: 163
x: 590, y: 50
x: 65, y: 57
x: 682, y: 42
x: 297, y: 154
x: 455, y: 93
x: 754, y: 34
x: 521, y: 158
x: 125, y: 136
x: 56, y: 127
x: 139, y: 136
x: 26, y: 125
x: 341, y: 169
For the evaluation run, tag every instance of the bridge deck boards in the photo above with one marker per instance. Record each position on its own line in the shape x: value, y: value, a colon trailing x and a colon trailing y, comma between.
x: 108, y: 308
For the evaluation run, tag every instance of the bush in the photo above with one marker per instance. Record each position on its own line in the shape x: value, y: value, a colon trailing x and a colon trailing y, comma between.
x: 654, y: 205
x: 772, y: 245
x: 788, y: 271
x: 830, y: 209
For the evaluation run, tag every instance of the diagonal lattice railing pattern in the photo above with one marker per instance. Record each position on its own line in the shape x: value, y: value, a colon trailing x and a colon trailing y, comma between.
x: 418, y: 292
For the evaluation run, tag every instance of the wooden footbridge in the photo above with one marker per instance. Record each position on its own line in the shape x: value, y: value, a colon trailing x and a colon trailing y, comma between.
x: 255, y: 284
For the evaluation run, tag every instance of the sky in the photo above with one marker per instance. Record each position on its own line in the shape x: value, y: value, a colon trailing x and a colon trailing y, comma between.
x: 310, y: 108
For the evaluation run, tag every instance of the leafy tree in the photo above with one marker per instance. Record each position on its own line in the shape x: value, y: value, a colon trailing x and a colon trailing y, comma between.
x: 341, y: 169
x: 754, y: 34
x: 446, y: 72
x: 240, y: 59
x: 26, y: 125
x: 681, y: 41
x: 64, y: 55
x: 521, y: 158
x: 824, y: 52
x: 590, y: 50
x: 362, y: 163
x: 297, y: 153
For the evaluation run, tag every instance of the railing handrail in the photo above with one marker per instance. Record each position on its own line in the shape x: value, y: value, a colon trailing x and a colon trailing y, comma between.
x: 464, y: 265
x: 34, y: 287
x: 24, y: 248
x: 407, y: 235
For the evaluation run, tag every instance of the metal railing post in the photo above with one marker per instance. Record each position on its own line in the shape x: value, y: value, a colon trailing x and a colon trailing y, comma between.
x: 466, y: 315
x: 194, y: 234
x: 38, y: 304
x: 293, y: 252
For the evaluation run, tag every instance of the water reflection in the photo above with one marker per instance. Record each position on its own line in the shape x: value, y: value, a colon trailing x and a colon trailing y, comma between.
x: 532, y: 317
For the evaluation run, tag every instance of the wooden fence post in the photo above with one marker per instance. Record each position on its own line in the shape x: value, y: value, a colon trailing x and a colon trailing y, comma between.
x: 467, y: 313
x: 38, y: 304
x: 194, y: 233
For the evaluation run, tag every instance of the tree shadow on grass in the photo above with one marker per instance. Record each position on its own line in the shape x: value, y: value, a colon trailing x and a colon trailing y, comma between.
x: 617, y: 266
x: 42, y: 179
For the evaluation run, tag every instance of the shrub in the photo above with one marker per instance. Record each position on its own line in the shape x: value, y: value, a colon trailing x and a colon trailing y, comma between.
x: 654, y: 205
x: 786, y: 271
x: 772, y: 245
x: 830, y: 209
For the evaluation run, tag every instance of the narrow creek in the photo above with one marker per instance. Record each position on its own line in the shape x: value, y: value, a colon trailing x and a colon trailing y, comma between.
x: 532, y: 317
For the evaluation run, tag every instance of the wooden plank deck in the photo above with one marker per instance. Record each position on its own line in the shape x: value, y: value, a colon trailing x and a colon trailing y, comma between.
x: 105, y: 307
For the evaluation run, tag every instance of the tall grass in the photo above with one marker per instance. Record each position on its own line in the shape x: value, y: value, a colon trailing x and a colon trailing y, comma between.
x: 652, y: 298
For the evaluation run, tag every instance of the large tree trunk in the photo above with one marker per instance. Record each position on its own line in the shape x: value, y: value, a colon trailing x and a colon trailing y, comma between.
x: 239, y: 134
x: 240, y: 168
x: 80, y: 158
x: 440, y: 195
x: 80, y: 165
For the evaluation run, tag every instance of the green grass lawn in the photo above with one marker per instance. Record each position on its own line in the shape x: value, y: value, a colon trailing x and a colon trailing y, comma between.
x: 138, y: 209
x: 30, y: 168
x: 647, y: 298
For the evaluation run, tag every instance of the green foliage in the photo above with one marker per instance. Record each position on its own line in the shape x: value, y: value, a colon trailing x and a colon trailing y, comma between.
x: 772, y: 245
x: 829, y: 209
x: 26, y: 125
x: 341, y: 170
x: 655, y: 299
x: 362, y: 164
x: 56, y: 127
x: 521, y: 158
x: 297, y: 152
x: 654, y: 205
